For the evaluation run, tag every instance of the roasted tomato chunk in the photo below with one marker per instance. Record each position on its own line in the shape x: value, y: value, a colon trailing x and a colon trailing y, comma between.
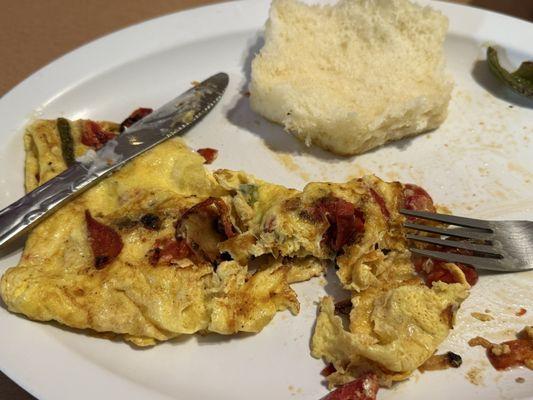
x: 434, y: 270
x: 511, y: 353
x: 106, y: 244
x: 345, y: 221
x: 363, y: 388
x: 208, y: 154
x: 442, y: 274
x: 94, y: 136
x: 135, y: 116
x: 166, y: 251
x: 416, y: 198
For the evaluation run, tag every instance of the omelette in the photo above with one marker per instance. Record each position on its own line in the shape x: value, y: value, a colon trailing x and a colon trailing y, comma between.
x: 164, y: 247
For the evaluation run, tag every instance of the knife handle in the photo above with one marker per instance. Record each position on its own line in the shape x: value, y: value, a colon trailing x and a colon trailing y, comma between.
x: 21, y: 215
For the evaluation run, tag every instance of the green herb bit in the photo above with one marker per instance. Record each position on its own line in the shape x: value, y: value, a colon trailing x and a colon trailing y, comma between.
x: 521, y: 80
x: 250, y: 192
x: 67, y: 143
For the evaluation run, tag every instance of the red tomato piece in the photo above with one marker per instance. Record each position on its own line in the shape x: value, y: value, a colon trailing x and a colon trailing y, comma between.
x: 208, y: 154
x: 416, y: 198
x: 94, y: 136
x: 440, y: 273
x: 106, y: 244
x: 520, y: 350
x: 168, y: 250
x: 363, y: 388
x: 135, y: 116
x: 345, y: 221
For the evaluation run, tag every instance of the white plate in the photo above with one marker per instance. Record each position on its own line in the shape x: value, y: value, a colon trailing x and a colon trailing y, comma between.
x: 480, y: 163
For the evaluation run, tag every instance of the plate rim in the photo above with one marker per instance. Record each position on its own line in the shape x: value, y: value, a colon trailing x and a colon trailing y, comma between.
x: 53, y: 87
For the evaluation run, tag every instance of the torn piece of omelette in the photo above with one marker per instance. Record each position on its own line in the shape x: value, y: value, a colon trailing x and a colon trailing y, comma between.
x: 401, y: 308
x: 111, y: 261
x: 164, y: 247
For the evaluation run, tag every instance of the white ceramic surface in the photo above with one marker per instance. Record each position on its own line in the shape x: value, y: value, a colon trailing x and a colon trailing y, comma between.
x: 479, y: 163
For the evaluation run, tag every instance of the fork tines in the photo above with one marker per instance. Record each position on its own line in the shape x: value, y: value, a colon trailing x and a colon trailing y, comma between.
x: 493, y: 264
x: 449, y: 219
x: 469, y: 229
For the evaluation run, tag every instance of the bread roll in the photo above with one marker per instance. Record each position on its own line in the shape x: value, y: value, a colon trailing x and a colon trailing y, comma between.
x: 351, y: 76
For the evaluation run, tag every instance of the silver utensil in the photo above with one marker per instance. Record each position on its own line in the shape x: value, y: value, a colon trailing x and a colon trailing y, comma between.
x: 505, y: 246
x: 175, y: 117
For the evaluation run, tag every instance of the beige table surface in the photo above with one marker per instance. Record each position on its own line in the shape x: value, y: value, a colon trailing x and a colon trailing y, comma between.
x: 35, y: 32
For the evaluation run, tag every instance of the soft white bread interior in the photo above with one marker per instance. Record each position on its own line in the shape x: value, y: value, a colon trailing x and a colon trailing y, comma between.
x: 351, y: 76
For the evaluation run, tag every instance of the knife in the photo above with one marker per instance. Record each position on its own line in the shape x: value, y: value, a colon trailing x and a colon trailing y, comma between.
x: 174, y: 118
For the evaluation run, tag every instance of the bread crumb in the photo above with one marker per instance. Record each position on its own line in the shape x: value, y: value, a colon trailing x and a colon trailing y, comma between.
x: 195, y: 83
x: 519, y: 380
x: 474, y: 376
x: 482, y: 317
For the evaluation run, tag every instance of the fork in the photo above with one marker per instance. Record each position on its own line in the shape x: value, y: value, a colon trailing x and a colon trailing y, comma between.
x: 505, y: 246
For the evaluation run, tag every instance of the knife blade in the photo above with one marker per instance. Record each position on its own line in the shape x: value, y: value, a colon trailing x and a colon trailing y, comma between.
x: 175, y: 117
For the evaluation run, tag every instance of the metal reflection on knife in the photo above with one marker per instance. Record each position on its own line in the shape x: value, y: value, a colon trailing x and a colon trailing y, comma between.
x: 175, y: 117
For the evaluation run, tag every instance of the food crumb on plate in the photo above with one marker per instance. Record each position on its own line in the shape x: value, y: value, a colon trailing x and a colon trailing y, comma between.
x: 519, y: 380
x: 295, y: 390
x: 521, y: 311
x: 482, y: 317
x: 290, y: 164
x: 475, y: 376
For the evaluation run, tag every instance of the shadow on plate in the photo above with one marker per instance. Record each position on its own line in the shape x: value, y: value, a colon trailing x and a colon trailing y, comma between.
x: 213, y: 339
x: 333, y: 285
x: 274, y: 137
x: 203, y: 340
x: 482, y: 75
x: 113, y: 337
x: 323, y: 381
x: 110, y: 336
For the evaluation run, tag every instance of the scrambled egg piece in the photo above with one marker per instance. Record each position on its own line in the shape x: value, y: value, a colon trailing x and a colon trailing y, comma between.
x: 393, y: 333
x: 196, y: 251
x: 396, y: 321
